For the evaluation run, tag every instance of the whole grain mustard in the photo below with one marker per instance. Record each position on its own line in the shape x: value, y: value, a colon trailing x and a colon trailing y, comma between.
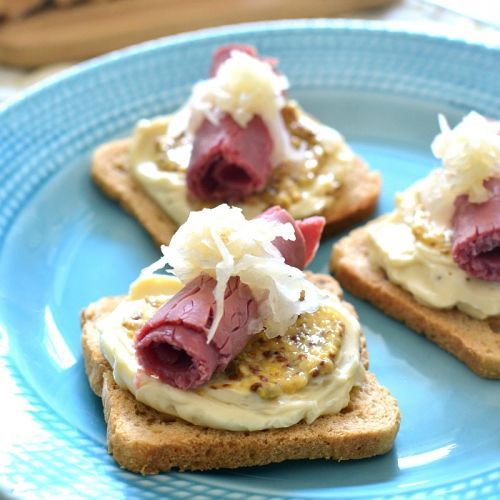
x: 286, y: 364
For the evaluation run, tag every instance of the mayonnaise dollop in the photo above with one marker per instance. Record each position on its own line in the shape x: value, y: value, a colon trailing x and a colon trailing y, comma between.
x: 223, y: 408
x: 430, y: 275
x: 413, y: 244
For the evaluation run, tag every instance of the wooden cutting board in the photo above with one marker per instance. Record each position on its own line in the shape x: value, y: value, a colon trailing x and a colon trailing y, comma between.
x: 69, y: 34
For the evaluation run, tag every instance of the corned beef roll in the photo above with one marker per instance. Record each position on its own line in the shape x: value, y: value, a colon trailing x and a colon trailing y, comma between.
x: 228, y: 161
x: 476, y: 234
x: 173, y: 346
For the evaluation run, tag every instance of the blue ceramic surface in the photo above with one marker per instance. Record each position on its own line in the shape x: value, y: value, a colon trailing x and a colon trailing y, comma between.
x: 63, y: 245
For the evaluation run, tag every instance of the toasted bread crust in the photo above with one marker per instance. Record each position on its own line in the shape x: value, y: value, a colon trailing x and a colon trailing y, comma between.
x: 355, y: 200
x: 146, y: 441
x: 475, y: 342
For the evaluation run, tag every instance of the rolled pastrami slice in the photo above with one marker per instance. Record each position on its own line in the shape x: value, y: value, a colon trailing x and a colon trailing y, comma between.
x: 301, y: 251
x: 476, y: 234
x: 229, y: 162
x: 173, y: 346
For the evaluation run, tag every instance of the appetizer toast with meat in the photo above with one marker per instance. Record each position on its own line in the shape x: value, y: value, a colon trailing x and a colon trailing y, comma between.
x: 237, y: 359
x: 144, y: 440
x: 434, y: 262
x: 239, y: 139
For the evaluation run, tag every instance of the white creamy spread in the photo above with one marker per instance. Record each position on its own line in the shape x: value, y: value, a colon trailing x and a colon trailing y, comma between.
x: 413, y: 244
x: 431, y: 276
x: 169, y: 189
x: 228, y: 408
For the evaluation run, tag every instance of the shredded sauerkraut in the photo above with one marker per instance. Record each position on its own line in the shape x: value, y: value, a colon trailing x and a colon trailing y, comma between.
x: 243, y: 87
x: 470, y: 155
x: 220, y: 242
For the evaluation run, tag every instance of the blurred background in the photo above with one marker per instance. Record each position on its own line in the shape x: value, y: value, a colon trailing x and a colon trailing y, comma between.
x: 40, y: 37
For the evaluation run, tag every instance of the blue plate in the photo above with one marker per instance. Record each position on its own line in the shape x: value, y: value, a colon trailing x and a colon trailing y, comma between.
x: 63, y: 244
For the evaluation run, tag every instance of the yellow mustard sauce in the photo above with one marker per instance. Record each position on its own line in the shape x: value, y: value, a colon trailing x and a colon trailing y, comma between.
x: 133, y: 324
x: 142, y: 313
x: 427, y: 232
x: 172, y: 154
x: 284, y: 365
x: 286, y: 183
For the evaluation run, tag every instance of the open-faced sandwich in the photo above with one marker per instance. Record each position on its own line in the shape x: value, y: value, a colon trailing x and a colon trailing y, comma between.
x: 434, y: 262
x: 236, y: 357
x: 238, y: 139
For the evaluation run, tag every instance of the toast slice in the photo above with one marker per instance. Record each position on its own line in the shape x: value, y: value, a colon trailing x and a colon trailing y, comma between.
x: 355, y: 200
x: 146, y: 441
x: 475, y: 342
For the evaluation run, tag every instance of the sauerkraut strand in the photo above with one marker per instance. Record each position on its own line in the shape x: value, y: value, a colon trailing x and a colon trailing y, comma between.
x: 221, y: 243
x: 470, y: 152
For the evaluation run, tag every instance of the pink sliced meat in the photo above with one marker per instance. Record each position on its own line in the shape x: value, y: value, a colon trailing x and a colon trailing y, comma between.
x: 476, y: 234
x: 172, y: 345
x: 228, y: 161
x: 311, y: 229
x: 223, y: 53
x: 298, y: 253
